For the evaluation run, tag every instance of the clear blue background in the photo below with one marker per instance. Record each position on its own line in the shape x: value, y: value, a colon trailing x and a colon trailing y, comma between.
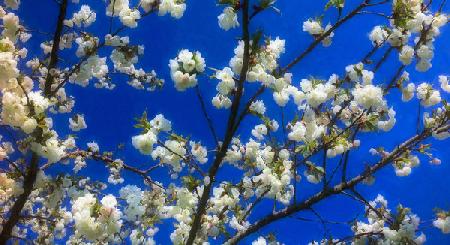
x: 110, y: 114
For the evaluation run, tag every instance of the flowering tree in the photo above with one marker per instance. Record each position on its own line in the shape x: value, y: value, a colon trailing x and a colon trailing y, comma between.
x: 315, y: 142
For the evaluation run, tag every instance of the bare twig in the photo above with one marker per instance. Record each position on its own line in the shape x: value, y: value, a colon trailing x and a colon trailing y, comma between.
x: 205, y: 114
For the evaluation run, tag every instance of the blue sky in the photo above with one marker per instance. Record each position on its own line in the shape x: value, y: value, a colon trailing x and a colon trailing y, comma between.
x: 110, y: 114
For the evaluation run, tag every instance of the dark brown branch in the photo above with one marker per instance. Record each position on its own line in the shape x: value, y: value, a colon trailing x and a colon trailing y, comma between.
x: 33, y: 168
x: 15, y: 166
x: 201, y: 207
x: 96, y: 156
x: 383, y: 59
x: 326, y: 221
x: 321, y: 220
x: 247, y: 107
x: 111, y: 19
x: 324, y: 166
x: 376, y: 13
x: 253, y: 205
x: 21, y: 200
x: 55, y: 47
x: 441, y: 6
x: 376, y: 3
x: 366, y: 59
x: 392, y: 82
x: 347, y: 156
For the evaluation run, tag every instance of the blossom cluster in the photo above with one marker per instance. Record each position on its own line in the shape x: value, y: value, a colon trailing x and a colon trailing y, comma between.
x: 314, y: 28
x: 416, y: 23
x: 173, y: 151
x: 185, y: 68
x: 379, y: 224
x: 130, y: 15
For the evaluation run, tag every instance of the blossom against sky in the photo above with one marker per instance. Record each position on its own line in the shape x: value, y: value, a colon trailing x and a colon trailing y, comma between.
x: 181, y: 50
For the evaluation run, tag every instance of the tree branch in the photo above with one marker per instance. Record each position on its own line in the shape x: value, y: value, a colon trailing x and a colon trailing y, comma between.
x: 337, y: 188
x: 33, y: 168
x: 94, y: 50
x: 21, y: 200
x: 201, y: 207
x: 323, y: 36
x: 247, y: 107
x: 55, y: 47
x: 96, y: 156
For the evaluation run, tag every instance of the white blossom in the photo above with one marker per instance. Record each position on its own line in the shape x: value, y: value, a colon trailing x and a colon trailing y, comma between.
x: 77, y: 123
x: 312, y: 27
x: 199, y: 152
x: 13, y: 4
x: 258, y: 107
x: 443, y: 223
x: 8, y: 70
x: 378, y: 35
x: 51, y: 149
x: 116, y: 6
x: 427, y: 95
x: 175, y: 8
x: 84, y: 17
x: 408, y: 92
x: 184, y: 69
x: 220, y: 101
x: 144, y: 142
x: 96, y: 223
x: 227, y: 83
x: 10, y: 26
x: 443, y: 80
x: 389, y: 124
x: 406, y: 55
x: 228, y: 19
x: 129, y: 17
x: 29, y: 125
x: 93, y: 147
x: 160, y: 123
x: 368, y: 96
x: 259, y: 131
x: 171, y: 153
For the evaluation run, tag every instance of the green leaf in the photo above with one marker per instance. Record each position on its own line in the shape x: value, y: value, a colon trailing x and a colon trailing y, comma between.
x: 266, y: 3
x: 230, y: 2
x: 256, y: 38
x: 402, y: 13
x: 190, y: 182
x: 335, y: 3
x: 143, y: 122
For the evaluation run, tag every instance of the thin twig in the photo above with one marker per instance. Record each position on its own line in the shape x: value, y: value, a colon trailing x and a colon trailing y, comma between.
x: 205, y: 114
